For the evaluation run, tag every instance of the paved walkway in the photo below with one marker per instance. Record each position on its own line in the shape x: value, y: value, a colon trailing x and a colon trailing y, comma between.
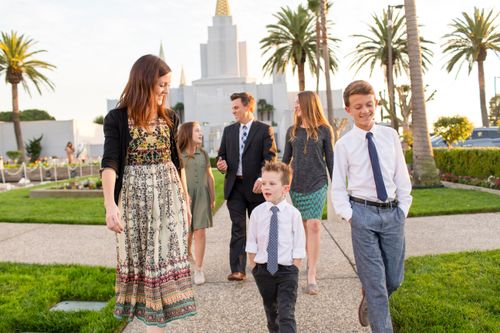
x: 228, y: 306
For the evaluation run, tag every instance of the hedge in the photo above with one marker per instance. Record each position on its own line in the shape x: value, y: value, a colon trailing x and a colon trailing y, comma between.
x: 474, y: 162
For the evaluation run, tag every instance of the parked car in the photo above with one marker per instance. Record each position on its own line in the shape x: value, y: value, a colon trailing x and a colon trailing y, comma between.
x: 438, y: 142
x: 480, y: 137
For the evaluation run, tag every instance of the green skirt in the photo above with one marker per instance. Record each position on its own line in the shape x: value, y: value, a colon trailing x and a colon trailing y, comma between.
x: 311, y: 204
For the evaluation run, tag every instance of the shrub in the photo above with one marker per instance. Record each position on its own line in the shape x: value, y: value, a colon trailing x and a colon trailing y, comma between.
x: 477, y: 162
x: 213, y: 162
x: 453, y: 129
x: 14, y: 154
x: 34, y: 148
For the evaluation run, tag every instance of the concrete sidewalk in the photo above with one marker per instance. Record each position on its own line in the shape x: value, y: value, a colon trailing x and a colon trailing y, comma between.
x: 228, y: 306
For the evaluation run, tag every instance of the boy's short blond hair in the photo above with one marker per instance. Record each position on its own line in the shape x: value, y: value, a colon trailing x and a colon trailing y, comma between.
x: 358, y: 87
x: 281, y: 168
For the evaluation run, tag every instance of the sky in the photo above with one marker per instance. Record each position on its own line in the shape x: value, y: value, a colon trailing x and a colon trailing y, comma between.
x: 94, y: 43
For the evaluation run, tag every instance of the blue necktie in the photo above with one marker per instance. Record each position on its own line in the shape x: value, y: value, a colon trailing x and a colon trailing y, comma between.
x: 272, y: 245
x: 377, y: 173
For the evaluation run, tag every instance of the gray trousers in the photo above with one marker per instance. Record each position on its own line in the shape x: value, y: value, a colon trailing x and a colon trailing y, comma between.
x: 379, y: 250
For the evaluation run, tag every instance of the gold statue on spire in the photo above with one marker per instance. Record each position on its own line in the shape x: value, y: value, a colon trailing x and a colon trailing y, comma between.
x: 222, y: 8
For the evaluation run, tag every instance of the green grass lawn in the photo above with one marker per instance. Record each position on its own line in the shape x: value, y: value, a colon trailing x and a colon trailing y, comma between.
x: 27, y: 292
x: 219, y: 188
x: 449, y: 293
x: 17, y: 206
x: 447, y: 201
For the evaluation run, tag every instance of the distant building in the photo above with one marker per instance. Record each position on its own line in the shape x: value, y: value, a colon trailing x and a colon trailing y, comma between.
x: 223, y: 72
x: 56, y: 133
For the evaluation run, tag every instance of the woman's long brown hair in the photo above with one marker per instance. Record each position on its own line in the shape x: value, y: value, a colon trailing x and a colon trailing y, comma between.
x: 138, y: 96
x: 311, y: 115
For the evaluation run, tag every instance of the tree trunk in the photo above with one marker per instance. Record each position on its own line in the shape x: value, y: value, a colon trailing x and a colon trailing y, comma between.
x: 425, y: 172
x: 482, y: 96
x: 318, y: 48
x: 326, y: 59
x: 16, y: 119
x: 302, y: 78
x: 391, y: 109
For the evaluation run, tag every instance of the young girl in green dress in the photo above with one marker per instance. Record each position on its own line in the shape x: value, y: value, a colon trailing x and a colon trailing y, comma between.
x: 200, y: 183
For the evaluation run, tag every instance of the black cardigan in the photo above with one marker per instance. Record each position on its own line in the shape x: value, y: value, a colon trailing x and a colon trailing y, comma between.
x: 116, y: 140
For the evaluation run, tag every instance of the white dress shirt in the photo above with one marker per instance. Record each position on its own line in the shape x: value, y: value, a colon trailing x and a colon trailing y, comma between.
x: 353, y: 174
x: 239, y: 172
x: 291, y: 234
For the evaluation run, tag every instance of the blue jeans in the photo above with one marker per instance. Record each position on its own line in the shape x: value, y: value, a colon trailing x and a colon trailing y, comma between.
x: 379, y: 250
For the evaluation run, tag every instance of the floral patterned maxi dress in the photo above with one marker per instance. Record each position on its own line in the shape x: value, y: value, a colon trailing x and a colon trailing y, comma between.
x: 153, y: 280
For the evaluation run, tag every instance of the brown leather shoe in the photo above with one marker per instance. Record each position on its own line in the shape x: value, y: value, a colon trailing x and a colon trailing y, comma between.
x: 363, y: 311
x: 236, y: 276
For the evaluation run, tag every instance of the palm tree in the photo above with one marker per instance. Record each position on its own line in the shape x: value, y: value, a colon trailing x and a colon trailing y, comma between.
x: 326, y: 59
x: 314, y: 7
x: 2, y: 63
x: 373, y: 50
x: 292, y: 40
x: 21, y: 67
x: 471, y: 38
x: 425, y: 172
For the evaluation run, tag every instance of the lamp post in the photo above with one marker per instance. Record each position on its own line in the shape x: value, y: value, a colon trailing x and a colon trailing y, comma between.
x: 390, y: 80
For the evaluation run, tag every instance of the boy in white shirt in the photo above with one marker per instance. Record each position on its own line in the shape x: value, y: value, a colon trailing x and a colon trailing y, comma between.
x: 275, y: 247
x: 371, y: 189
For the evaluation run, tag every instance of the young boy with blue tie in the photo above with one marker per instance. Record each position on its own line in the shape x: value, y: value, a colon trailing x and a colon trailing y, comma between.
x: 275, y: 246
x: 371, y: 190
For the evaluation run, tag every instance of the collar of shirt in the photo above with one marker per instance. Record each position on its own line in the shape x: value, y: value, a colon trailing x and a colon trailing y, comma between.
x: 281, y: 205
x: 196, y: 152
x: 248, y: 125
x: 362, y: 133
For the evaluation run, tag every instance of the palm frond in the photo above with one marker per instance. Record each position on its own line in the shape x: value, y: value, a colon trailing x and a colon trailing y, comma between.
x: 292, y: 41
x: 372, y: 48
x: 471, y: 37
x: 17, y: 60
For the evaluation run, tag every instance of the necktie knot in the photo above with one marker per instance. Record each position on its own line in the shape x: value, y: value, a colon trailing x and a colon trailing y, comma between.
x: 274, y: 209
x: 369, y: 135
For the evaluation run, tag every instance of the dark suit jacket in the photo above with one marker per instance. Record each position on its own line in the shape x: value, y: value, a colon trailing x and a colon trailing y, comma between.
x: 260, y: 147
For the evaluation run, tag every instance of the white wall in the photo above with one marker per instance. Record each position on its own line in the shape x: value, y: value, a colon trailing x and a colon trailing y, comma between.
x: 56, y: 133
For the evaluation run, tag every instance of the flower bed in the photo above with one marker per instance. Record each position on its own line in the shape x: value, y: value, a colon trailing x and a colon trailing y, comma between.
x: 490, y: 182
x: 89, y: 188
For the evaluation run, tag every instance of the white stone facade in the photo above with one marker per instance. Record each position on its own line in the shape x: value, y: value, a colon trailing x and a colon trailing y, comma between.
x: 56, y: 133
x: 224, y: 71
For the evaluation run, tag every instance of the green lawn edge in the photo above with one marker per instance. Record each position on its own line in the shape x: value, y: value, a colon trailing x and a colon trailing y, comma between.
x: 456, y: 292
x: 28, y: 291
x: 17, y: 207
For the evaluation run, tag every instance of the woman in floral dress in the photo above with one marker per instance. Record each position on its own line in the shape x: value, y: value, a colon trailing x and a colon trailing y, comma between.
x: 145, y: 197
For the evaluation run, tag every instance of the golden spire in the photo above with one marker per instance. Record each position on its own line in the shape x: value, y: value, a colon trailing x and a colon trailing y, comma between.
x: 222, y: 8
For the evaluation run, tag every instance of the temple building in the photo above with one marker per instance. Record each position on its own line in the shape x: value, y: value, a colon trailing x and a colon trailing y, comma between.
x: 224, y: 71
